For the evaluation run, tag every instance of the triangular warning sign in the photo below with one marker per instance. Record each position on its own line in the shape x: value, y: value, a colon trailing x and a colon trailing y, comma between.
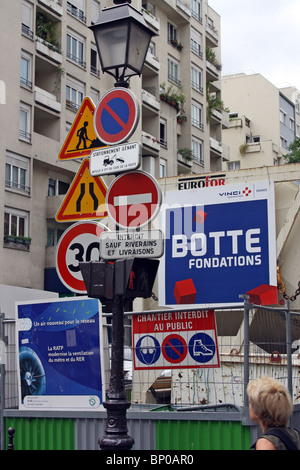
x: 85, y: 198
x: 82, y: 138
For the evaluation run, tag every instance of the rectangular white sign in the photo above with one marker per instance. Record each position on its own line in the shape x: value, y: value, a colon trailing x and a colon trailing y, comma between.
x: 143, y: 244
x: 115, y: 159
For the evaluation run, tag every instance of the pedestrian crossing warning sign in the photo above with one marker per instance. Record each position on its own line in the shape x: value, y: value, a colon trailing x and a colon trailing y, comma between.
x: 85, y: 199
x: 82, y: 138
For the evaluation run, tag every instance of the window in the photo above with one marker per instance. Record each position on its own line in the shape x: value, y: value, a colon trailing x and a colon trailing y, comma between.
x: 94, y: 96
x: 94, y: 62
x: 173, y: 71
x: 57, y: 186
x: 292, y: 124
x: 151, y: 49
x: 17, y: 173
x: 77, y: 8
x: 172, y: 34
x: 233, y: 165
x: 196, y: 77
x: 283, y: 143
x: 74, y: 94
x: 196, y: 42
x: 75, y: 48
x: 24, y: 124
x: 196, y: 9
x: 163, y: 133
x: 27, y: 19
x: 197, y: 115
x: 197, y: 150
x: 149, y: 7
x: 282, y: 117
x: 53, y: 236
x: 162, y: 168
x: 95, y: 11
x: 15, y: 222
x: 25, y: 77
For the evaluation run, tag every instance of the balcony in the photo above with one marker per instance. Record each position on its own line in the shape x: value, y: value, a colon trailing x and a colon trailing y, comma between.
x: 151, y: 20
x: 46, y: 49
x: 215, y: 146
x: 53, y: 5
x: 150, y: 142
x: 46, y: 99
x: 150, y: 100
x: 212, y: 71
x: 152, y: 61
x: 212, y: 36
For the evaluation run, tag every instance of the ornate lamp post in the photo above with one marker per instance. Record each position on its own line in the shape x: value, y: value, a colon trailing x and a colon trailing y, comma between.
x: 122, y: 39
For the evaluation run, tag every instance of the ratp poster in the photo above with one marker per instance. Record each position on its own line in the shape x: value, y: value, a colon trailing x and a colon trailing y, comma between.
x: 60, y: 354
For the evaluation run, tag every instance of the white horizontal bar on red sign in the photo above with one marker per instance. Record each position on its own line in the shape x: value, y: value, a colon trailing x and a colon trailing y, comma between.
x: 133, y: 199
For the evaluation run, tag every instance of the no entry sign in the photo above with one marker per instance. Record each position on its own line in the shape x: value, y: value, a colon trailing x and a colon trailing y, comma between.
x: 133, y: 199
x: 183, y: 339
x: 116, y: 116
x: 80, y: 243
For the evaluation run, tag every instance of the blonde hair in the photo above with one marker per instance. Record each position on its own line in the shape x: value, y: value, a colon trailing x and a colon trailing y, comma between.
x: 270, y: 401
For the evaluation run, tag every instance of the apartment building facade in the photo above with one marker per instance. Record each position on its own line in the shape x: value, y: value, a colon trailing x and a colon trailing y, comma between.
x: 263, y: 121
x: 48, y: 65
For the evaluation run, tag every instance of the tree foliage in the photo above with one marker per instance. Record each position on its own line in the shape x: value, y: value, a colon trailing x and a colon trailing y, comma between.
x: 294, y: 152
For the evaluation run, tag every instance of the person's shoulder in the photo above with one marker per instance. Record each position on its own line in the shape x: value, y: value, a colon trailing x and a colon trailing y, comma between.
x: 264, y: 444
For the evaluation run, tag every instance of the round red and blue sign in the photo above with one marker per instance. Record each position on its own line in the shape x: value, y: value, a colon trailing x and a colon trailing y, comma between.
x: 116, y: 116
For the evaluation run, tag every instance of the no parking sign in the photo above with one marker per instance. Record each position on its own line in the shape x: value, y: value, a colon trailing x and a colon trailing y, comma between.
x: 184, y: 339
x: 116, y: 116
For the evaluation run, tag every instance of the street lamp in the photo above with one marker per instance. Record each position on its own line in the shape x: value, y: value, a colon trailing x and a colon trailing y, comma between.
x: 122, y: 38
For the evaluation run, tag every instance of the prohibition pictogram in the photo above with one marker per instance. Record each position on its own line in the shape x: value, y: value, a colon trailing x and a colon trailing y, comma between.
x: 116, y: 116
x: 174, y: 348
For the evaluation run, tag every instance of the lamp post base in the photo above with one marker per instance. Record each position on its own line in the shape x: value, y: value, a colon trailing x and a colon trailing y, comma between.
x: 116, y: 437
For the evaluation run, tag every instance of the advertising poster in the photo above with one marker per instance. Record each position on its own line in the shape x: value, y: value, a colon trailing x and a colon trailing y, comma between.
x: 175, y: 340
x: 60, y: 354
x: 220, y: 242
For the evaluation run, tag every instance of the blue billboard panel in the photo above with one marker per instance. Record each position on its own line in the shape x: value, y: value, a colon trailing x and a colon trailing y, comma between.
x: 219, y: 244
x: 60, y: 354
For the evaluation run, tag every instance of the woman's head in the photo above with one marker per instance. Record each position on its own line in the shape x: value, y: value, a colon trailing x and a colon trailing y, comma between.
x: 270, y: 401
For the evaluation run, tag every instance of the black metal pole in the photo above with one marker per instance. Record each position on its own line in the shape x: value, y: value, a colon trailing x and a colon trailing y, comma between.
x: 116, y: 433
x: 11, y: 432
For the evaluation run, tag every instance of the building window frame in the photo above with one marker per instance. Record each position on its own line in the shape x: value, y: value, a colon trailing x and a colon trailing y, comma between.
x: 74, y: 94
x: 15, y: 222
x: 197, y: 150
x: 17, y: 173
x: 197, y: 114
x: 27, y: 19
x: 196, y: 43
x: 196, y: 78
x: 196, y: 10
x: 76, y: 48
x: 173, y: 71
x: 25, y: 122
x: 26, y: 70
x: 77, y: 11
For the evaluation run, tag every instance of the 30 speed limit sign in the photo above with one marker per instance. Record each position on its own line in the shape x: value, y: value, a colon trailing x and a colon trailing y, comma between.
x: 80, y: 242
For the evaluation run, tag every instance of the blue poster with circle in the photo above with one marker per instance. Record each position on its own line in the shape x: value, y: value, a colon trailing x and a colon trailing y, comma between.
x: 60, y: 354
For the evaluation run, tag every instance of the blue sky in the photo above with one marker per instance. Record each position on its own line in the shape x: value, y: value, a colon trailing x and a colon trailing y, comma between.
x: 261, y: 36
